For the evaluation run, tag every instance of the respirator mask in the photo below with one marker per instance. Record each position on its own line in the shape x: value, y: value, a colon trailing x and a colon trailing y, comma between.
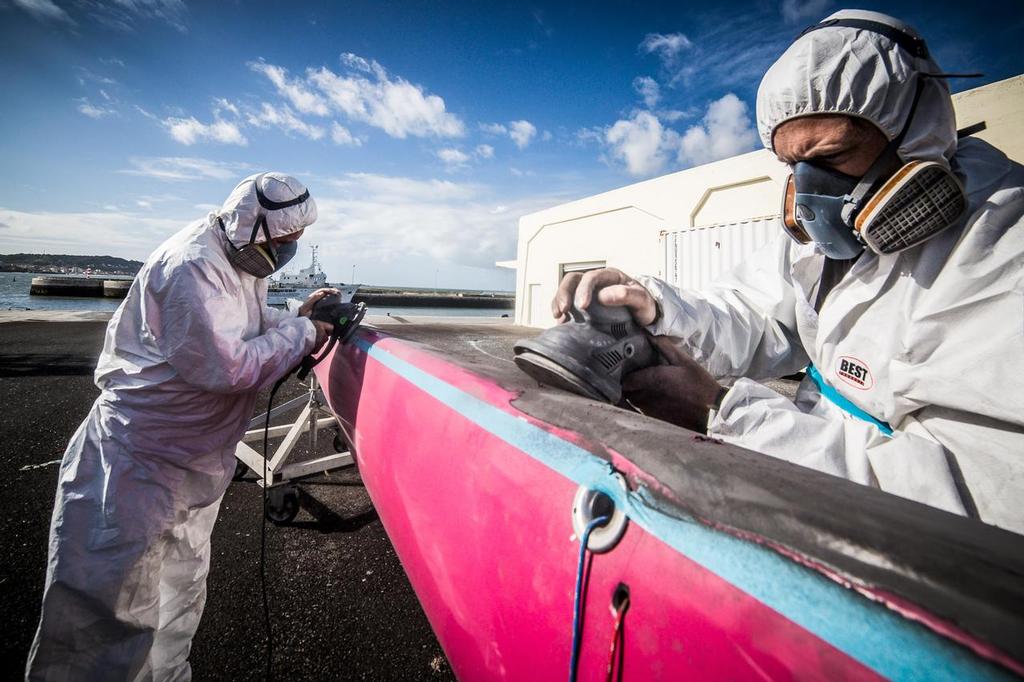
x: 264, y: 258
x: 893, y: 207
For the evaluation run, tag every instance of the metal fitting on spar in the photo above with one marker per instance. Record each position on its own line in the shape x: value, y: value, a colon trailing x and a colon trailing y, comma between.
x: 589, y: 504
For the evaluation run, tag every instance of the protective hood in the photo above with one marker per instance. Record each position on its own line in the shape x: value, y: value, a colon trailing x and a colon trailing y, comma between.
x: 862, y: 73
x: 242, y: 208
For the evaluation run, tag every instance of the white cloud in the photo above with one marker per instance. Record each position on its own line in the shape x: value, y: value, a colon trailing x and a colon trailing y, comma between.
x: 221, y: 105
x: 367, y: 93
x: 300, y: 97
x: 794, y: 11
x: 725, y: 131
x: 126, y: 15
x: 673, y: 115
x: 385, y: 218
x: 44, y: 10
x: 189, y: 131
x: 485, y: 151
x: 521, y: 133
x: 148, y: 201
x: 92, y: 111
x: 341, y: 135
x: 399, y: 189
x: 641, y: 142
x: 453, y: 159
x: 180, y: 168
x: 285, y: 119
x: 126, y: 234
x: 648, y: 89
x: 668, y: 47
x: 86, y: 76
x: 145, y: 113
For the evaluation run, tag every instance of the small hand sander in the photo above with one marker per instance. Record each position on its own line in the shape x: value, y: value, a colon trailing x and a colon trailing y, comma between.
x: 344, y: 319
x: 344, y: 316
x: 590, y: 354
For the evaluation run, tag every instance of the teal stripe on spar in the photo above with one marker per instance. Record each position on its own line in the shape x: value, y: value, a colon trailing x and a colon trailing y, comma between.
x: 880, y: 639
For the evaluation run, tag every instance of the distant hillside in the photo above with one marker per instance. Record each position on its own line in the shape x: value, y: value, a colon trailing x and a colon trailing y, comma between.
x: 48, y: 262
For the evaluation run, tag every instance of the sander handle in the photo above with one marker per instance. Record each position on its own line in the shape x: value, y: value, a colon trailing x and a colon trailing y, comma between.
x: 344, y: 319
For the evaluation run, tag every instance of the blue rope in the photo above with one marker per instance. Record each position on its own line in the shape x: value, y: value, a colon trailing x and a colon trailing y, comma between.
x: 577, y: 624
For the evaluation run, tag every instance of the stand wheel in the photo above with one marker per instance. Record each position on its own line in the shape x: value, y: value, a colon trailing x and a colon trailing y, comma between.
x: 241, y: 469
x: 340, y: 444
x: 282, y: 504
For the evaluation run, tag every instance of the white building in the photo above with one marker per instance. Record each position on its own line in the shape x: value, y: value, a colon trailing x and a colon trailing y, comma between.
x: 688, y: 227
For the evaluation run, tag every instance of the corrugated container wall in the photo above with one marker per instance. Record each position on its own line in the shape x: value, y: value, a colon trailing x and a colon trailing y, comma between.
x: 698, y: 256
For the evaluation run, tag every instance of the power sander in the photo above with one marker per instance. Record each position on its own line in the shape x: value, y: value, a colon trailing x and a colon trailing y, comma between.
x: 590, y: 354
x: 344, y: 319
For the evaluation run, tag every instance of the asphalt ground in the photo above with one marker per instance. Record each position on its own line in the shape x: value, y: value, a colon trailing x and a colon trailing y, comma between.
x: 341, y: 603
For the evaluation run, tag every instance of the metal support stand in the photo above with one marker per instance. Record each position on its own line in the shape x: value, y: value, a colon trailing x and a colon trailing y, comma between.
x: 282, y: 504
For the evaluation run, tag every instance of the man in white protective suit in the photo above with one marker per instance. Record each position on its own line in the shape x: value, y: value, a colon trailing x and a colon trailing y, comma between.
x: 143, y: 476
x: 897, y: 285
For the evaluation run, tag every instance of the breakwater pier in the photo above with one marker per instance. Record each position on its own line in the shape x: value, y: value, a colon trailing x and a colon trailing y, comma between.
x: 116, y: 287
x: 374, y: 296
x: 412, y: 299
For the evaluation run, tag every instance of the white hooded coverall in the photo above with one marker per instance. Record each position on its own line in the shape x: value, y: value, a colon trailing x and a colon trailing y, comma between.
x: 143, y: 476
x: 935, y: 331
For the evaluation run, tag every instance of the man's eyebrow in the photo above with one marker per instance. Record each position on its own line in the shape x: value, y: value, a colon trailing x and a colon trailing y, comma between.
x: 816, y: 150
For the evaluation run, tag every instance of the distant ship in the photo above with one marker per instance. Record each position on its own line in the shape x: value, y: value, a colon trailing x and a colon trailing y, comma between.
x: 301, y: 284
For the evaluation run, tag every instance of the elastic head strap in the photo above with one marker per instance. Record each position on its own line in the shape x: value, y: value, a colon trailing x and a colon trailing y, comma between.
x: 914, y: 46
x: 276, y: 205
x: 260, y: 221
x: 886, y: 163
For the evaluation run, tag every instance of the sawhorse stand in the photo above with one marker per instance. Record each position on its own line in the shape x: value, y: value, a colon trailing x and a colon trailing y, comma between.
x: 282, y: 494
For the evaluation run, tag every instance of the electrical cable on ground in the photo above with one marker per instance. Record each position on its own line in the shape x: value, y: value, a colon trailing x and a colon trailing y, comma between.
x: 263, y: 535
x: 577, y: 606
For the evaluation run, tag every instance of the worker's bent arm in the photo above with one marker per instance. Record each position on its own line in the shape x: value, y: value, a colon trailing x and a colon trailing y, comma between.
x: 274, y: 317
x: 744, y: 325
x: 204, y: 342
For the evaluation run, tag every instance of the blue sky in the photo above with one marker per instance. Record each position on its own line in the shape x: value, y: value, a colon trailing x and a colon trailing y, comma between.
x: 424, y: 130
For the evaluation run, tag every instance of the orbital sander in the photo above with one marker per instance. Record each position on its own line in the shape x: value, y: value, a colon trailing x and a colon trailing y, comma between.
x: 590, y: 354
x: 344, y: 318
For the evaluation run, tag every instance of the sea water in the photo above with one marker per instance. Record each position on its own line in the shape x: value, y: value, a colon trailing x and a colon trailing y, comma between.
x: 14, y: 295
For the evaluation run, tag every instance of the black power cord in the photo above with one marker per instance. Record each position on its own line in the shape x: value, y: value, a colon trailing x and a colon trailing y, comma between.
x: 263, y: 534
x: 346, y: 318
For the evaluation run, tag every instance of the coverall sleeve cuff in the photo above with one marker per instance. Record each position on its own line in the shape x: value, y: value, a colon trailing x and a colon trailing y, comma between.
x: 308, y: 331
x: 719, y: 414
x: 669, y: 317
